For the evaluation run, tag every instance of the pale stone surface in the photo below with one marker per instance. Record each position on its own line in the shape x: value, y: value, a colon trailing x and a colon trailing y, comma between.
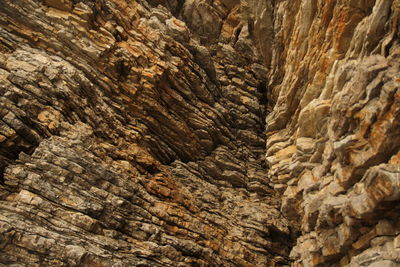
x: 332, y: 130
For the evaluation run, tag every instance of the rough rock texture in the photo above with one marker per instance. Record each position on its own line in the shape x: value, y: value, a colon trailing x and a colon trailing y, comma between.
x: 133, y: 133
x: 333, y: 130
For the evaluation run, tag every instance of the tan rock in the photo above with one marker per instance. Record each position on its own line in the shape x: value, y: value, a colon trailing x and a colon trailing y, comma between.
x: 132, y: 133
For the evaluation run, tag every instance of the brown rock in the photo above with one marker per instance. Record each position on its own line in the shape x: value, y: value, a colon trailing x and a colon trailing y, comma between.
x: 132, y: 133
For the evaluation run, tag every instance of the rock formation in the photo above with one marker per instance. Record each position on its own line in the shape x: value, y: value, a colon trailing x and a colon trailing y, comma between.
x: 333, y: 130
x: 199, y: 133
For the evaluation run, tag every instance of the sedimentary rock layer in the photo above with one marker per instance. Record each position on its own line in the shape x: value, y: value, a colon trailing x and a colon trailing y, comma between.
x: 132, y: 134
x: 333, y: 130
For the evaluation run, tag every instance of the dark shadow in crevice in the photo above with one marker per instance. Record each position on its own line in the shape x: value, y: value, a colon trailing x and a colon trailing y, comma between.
x: 8, y: 155
x: 263, y: 101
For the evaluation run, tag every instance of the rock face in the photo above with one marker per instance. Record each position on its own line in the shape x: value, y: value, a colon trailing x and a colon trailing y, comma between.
x: 130, y: 137
x: 199, y: 133
x: 333, y: 127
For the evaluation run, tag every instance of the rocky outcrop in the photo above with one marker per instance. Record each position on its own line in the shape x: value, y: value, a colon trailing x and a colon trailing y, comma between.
x: 132, y: 134
x: 332, y: 131
x: 199, y: 133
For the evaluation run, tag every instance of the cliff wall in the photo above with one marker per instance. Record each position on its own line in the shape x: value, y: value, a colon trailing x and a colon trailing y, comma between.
x: 333, y: 126
x: 199, y: 133
x: 130, y: 137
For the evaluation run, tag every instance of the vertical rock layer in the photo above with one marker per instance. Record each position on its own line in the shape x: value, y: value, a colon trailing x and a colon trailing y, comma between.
x: 333, y: 127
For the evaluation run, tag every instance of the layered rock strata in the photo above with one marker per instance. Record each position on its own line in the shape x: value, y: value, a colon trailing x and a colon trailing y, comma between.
x: 333, y: 128
x: 132, y: 134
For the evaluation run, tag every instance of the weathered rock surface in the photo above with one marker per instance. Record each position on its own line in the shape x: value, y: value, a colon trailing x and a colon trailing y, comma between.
x: 132, y: 133
x: 333, y: 127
